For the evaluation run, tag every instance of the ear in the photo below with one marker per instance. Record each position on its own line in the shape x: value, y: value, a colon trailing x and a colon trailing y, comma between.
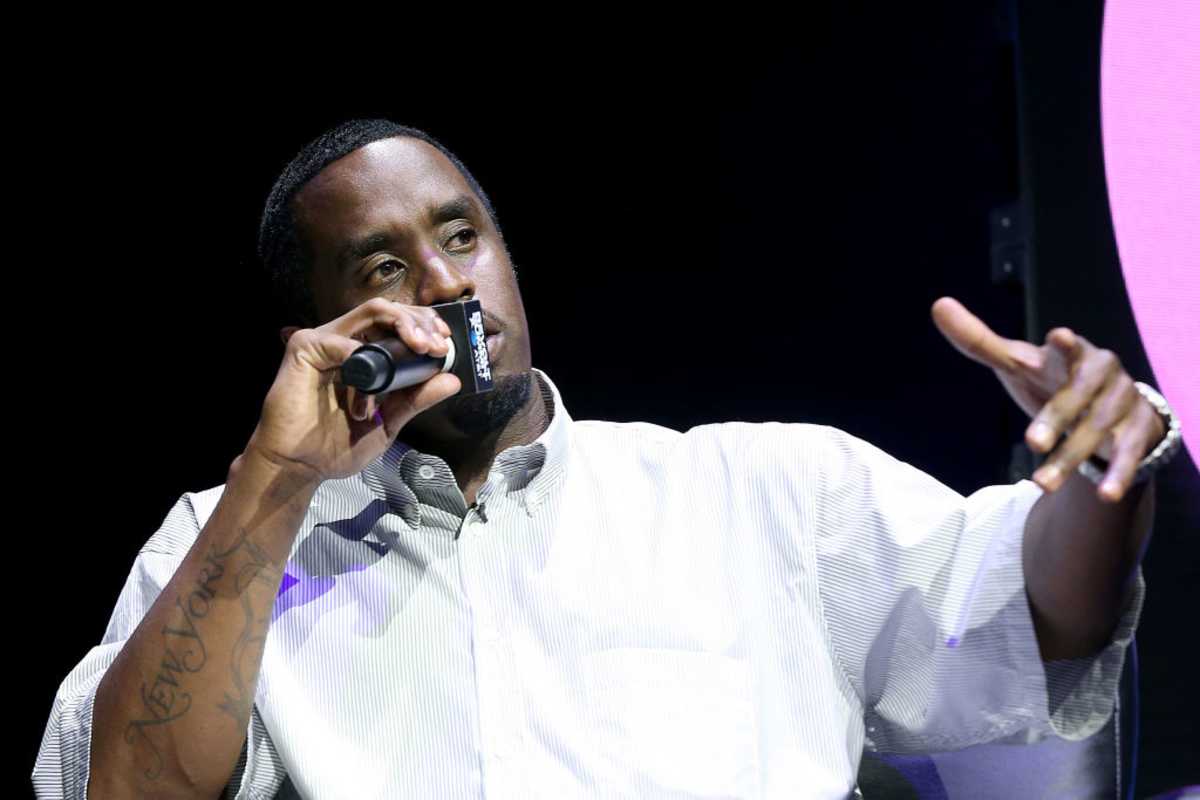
x: 286, y: 332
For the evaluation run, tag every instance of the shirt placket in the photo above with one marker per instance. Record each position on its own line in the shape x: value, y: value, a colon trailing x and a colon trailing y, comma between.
x: 482, y: 558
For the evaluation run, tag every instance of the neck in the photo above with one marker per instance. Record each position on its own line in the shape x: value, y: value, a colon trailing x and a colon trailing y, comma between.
x: 470, y: 457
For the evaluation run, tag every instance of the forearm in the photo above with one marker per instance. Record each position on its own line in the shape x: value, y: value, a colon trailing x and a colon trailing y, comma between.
x: 171, y: 713
x: 1080, y: 555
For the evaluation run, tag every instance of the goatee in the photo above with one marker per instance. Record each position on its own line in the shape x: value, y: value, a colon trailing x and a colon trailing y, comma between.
x: 479, y: 414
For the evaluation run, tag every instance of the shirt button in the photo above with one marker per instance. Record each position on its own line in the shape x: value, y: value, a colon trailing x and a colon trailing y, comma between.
x: 425, y: 471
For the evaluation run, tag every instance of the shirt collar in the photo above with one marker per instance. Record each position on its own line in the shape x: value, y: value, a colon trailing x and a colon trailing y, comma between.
x: 527, y: 471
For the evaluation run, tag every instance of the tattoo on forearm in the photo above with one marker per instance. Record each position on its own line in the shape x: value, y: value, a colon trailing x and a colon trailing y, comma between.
x: 165, y: 698
x: 247, y: 650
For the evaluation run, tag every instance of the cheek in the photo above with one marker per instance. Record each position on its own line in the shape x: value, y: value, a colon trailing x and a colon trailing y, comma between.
x: 495, y: 280
x: 330, y: 302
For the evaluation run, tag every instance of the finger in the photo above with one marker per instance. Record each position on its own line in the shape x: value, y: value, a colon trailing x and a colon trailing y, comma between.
x: 320, y: 349
x: 353, y: 402
x: 1129, y: 449
x: 424, y: 329
x: 1102, y: 419
x: 401, y: 406
x: 1089, y: 376
x: 438, y: 331
x: 974, y: 339
x: 361, y: 404
x: 376, y: 311
x: 414, y: 325
x: 1069, y: 343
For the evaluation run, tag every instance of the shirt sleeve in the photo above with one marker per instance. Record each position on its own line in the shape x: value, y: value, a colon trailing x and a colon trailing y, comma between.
x: 923, y: 595
x: 62, y: 766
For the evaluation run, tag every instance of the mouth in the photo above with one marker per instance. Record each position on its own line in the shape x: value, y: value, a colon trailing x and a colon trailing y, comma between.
x: 493, y: 342
x: 492, y: 334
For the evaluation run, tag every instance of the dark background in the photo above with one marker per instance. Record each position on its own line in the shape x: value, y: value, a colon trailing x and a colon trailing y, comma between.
x: 746, y: 226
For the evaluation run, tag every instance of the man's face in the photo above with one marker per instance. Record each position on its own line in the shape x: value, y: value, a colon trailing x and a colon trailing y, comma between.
x: 395, y: 219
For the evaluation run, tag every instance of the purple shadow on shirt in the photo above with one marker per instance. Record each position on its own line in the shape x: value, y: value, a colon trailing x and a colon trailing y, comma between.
x: 298, y: 588
x: 330, y: 549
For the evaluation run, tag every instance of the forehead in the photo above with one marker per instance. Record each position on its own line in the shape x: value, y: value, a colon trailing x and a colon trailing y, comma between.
x: 381, y: 183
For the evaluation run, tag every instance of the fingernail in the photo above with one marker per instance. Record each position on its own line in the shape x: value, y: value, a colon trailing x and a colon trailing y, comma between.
x: 1048, y: 475
x: 1111, y: 489
x: 1043, y: 434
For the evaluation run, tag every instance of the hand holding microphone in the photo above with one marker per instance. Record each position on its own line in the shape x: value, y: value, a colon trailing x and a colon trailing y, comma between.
x: 318, y: 427
x: 389, y: 364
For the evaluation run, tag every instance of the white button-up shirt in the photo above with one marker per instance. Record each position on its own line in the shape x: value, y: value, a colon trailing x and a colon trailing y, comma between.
x: 631, y: 611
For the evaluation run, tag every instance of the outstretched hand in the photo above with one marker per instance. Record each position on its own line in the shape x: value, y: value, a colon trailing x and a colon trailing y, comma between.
x: 1068, y: 386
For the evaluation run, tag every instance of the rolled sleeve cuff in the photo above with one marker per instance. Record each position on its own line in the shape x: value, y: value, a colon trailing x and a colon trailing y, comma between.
x: 1070, y: 698
x: 1080, y: 693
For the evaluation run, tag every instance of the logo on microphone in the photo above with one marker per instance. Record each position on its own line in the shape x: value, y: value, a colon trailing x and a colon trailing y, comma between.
x: 483, y: 367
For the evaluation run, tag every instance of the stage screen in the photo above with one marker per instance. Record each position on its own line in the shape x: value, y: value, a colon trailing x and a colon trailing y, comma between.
x: 1150, y: 112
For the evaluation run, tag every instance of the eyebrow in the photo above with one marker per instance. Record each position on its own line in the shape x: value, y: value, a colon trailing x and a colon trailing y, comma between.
x: 356, y: 249
x: 459, y: 207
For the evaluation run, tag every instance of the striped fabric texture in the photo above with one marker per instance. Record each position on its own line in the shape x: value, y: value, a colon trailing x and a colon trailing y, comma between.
x: 631, y: 612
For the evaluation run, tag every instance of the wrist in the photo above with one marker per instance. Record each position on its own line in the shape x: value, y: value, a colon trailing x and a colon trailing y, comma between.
x: 1162, y: 447
x: 259, y: 462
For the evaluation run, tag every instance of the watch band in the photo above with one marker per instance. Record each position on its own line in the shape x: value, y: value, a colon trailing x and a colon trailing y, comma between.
x: 1094, y: 468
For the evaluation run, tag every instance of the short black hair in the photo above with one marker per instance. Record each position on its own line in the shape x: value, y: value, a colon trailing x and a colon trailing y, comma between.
x: 283, y: 254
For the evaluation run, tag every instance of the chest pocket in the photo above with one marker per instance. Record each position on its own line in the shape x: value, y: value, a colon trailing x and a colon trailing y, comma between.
x: 674, y: 723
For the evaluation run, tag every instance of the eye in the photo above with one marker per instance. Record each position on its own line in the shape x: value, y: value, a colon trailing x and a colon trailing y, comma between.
x: 387, y: 269
x: 465, y: 238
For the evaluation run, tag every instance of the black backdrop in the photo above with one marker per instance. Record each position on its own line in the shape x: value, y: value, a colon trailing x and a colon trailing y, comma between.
x: 796, y: 201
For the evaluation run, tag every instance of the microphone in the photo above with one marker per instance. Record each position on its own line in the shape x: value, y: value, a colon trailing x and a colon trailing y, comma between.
x: 388, y: 364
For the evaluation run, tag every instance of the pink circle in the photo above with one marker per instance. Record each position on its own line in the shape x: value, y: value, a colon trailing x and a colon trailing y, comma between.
x: 1150, y: 108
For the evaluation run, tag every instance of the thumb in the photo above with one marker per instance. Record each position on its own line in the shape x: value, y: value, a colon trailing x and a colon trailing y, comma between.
x: 973, y: 338
x: 285, y: 333
x: 322, y: 350
x: 401, y: 406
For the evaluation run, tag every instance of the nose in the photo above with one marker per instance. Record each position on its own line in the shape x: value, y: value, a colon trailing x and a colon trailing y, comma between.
x: 442, y: 281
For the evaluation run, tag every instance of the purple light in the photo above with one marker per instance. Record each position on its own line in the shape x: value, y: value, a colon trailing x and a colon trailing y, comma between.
x: 288, y: 582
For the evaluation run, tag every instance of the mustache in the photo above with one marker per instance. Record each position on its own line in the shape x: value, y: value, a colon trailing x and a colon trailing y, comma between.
x: 491, y: 321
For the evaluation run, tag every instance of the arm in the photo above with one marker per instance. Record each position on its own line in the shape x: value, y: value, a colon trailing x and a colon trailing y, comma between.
x: 170, y: 714
x: 925, y: 600
x: 1080, y: 557
x: 929, y: 599
x: 1082, y: 543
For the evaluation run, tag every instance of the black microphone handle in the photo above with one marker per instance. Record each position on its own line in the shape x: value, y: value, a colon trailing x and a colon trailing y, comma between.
x: 388, y: 364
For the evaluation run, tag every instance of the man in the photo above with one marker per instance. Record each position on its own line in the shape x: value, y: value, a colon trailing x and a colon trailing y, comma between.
x: 435, y: 596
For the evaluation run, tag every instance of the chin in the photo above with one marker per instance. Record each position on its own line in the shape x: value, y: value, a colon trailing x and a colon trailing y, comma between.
x: 480, y: 414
